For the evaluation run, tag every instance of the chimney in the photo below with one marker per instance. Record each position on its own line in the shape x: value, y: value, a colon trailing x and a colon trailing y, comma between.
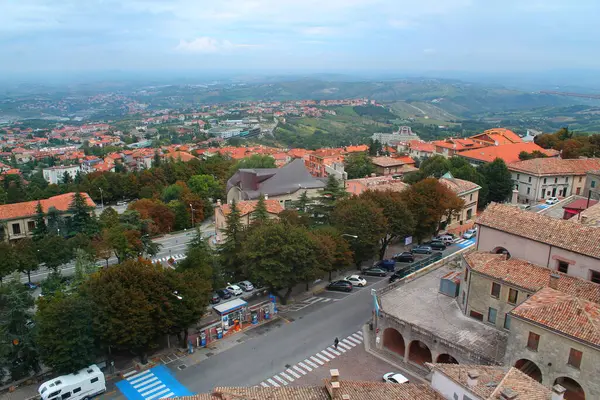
x: 345, y: 397
x: 508, y: 394
x: 266, y: 197
x: 472, y: 378
x: 335, y: 375
x: 515, y: 196
x: 218, y: 202
x: 558, y: 392
x: 554, y: 277
x: 335, y: 383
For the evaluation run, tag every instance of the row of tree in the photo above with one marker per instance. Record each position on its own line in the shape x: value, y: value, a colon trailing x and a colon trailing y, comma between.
x: 570, y: 144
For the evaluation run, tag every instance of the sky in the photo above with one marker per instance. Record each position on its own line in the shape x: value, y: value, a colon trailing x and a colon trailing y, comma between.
x: 298, y: 35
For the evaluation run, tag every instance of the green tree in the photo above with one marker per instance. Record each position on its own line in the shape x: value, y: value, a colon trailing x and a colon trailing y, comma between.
x: 364, y: 220
x: 358, y: 165
x: 260, y: 213
x: 85, y: 265
x: 334, y: 250
x: 109, y: 218
x: 375, y: 148
x: 138, y: 293
x: 499, y: 180
x: 303, y: 203
x: 54, y: 251
x: 26, y: 257
x: 56, y: 224
x: 206, y: 186
x: 40, y: 230
x: 65, y: 332
x: 200, y: 258
x: 18, y: 352
x: 400, y: 222
x: 7, y: 260
x: 280, y: 256
x: 230, y: 247
x: 54, y: 284
x: 255, y: 161
x: 172, y: 192
x: 435, y: 166
x: 324, y: 205
x: 82, y: 220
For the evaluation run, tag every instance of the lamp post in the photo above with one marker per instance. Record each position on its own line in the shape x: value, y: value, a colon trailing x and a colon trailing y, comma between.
x: 101, y: 198
x: 192, y: 208
x: 349, y: 235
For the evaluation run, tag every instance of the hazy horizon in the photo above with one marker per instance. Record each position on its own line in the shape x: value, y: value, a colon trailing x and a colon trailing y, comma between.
x: 341, y: 36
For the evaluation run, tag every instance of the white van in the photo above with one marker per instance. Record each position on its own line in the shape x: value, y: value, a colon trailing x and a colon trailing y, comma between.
x: 79, y: 385
x: 446, y: 239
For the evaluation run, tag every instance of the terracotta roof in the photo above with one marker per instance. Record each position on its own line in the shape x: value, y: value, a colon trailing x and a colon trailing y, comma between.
x: 589, y: 217
x: 404, y: 159
x: 556, y: 166
x: 493, y: 380
x: 569, y: 315
x: 379, y: 183
x: 530, y: 276
x: 459, y: 186
x: 498, y: 136
x: 248, y: 206
x: 389, y: 161
x: 27, y: 209
x: 354, y: 149
x: 180, y: 155
x: 261, y: 393
x: 458, y: 144
x: 384, y: 391
x: 507, y: 152
x: 556, y: 232
x: 418, y: 145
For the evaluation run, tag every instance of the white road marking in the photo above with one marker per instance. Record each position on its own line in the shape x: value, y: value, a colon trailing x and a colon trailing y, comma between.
x: 168, y: 395
x: 286, y: 376
x: 289, y: 371
x: 303, y: 372
x: 357, y: 336
x: 350, y: 338
x: 280, y: 379
x: 331, y: 349
x: 160, y: 387
x: 312, y: 364
x: 306, y: 367
x: 345, y: 346
x: 322, y: 357
x: 272, y: 382
x: 147, y: 381
x: 315, y: 359
x: 263, y: 384
x: 138, y: 375
x: 327, y: 354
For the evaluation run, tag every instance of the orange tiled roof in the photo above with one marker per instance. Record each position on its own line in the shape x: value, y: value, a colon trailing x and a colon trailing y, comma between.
x: 247, y: 206
x: 299, y: 153
x: 498, y: 136
x: 567, y: 314
x: 492, y: 380
x: 458, y: 144
x: 379, y: 183
x: 556, y: 232
x: 404, y: 159
x: 180, y: 155
x: 27, y: 209
x: 530, y: 276
x: 556, y: 166
x: 388, y: 161
x: 459, y: 186
x: 355, y: 149
x: 418, y: 145
x: 507, y: 152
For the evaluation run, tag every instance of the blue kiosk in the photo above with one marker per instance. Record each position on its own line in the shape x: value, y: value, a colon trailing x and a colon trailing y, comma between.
x: 230, y: 312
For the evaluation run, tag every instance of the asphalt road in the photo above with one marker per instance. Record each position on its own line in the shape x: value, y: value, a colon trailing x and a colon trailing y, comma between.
x: 263, y: 355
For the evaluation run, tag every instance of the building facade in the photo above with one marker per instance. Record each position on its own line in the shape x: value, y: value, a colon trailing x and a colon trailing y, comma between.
x: 56, y: 175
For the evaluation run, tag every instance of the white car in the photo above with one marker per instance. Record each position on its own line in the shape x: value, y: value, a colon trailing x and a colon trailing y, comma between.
x: 234, y: 290
x: 394, y: 377
x: 246, y: 285
x: 551, y: 200
x: 471, y: 233
x: 356, y: 280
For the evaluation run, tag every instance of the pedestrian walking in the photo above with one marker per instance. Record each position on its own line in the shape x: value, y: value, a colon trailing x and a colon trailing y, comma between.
x: 336, y: 342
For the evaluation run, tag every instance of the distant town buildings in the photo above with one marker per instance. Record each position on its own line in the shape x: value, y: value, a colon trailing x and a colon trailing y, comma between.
x: 403, y: 134
x: 56, y: 175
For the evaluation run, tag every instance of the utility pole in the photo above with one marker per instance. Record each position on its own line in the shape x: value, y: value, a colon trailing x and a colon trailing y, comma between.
x: 101, y: 198
x: 192, y: 208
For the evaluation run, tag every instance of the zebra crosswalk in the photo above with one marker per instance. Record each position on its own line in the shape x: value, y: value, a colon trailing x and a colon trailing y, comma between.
x: 175, y: 257
x: 153, y: 384
x: 309, y: 302
x: 313, y: 362
x: 465, y: 242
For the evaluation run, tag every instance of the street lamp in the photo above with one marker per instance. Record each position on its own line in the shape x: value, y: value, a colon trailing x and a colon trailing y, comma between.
x: 349, y: 235
x: 101, y: 198
x: 192, y: 208
x: 177, y: 295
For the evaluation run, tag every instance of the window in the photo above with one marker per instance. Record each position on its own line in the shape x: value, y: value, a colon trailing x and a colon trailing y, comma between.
x: 512, y: 296
x: 30, y: 225
x: 549, y: 193
x: 53, y: 394
x: 517, y: 187
x: 555, y: 180
x: 545, y: 180
x: 593, y: 184
x: 507, y: 321
x: 533, y: 341
x: 492, y: 313
x: 476, y: 315
x: 495, y: 290
x: 471, y: 197
x: 578, y: 191
x: 563, y: 267
x: 595, y: 276
x: 466, y: 274
x: 66, y: 395
x: 463, y: 298
x: 16, y: 229
x: 469, y: 213
x: 518, y: 175
x: 566, y: 179
x: 77, y: 390
x: 528, y: 190
x: 465, y: 397
x: 529, y: 180
x: 94, y: 380
x: 580, y: 178
x: 575, y: 358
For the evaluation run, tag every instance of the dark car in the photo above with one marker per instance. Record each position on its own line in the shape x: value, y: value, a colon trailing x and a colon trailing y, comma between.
x: 223, y: 293
x: 30, y: 285
x: 422, y: 249
x: 401, y: 273
x: 375, y: 272
x: 436, y: 245
x: 404, y: 257
x: 388, y: 265
x: 342, y: 286
x: 215, y: 298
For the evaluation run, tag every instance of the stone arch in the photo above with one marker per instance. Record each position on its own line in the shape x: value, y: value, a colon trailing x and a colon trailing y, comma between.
x: 419, y: 353
x: 501, y: 250
x: 446, y: 358
x: 530, y: 368
x: 393, y: 341
x: 574, y: 389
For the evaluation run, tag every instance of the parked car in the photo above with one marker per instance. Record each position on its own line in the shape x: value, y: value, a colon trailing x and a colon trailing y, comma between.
x: 215, y: 298
x: 224, y: 294
x: 394, y: 377
x: 388, y: 265
x: 552, y: 200
x: 121, y: 203
x: 401, y: 273
x: 471, y: 233
x: 356, y: 280
x: 375, y: 272
x: 436, y: 245
x: 234, y: 290
x: 422, y: 249
x: 246, y: 286
x: 342, y: 286
x: 30, y: 285
x: 404, y: 257
x: 446, y: 239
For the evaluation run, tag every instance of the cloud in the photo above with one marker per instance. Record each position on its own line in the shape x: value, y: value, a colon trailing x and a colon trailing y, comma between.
x: 205, y: 44
x: 318, y: 31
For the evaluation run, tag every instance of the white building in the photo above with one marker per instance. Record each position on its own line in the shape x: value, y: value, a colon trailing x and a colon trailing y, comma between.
x: 55, y: 175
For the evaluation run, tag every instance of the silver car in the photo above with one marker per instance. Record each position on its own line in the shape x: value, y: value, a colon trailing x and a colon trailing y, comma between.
x: 247, y: 286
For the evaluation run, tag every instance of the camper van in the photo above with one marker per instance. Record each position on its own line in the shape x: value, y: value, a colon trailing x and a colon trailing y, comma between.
x: 80, y: 385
